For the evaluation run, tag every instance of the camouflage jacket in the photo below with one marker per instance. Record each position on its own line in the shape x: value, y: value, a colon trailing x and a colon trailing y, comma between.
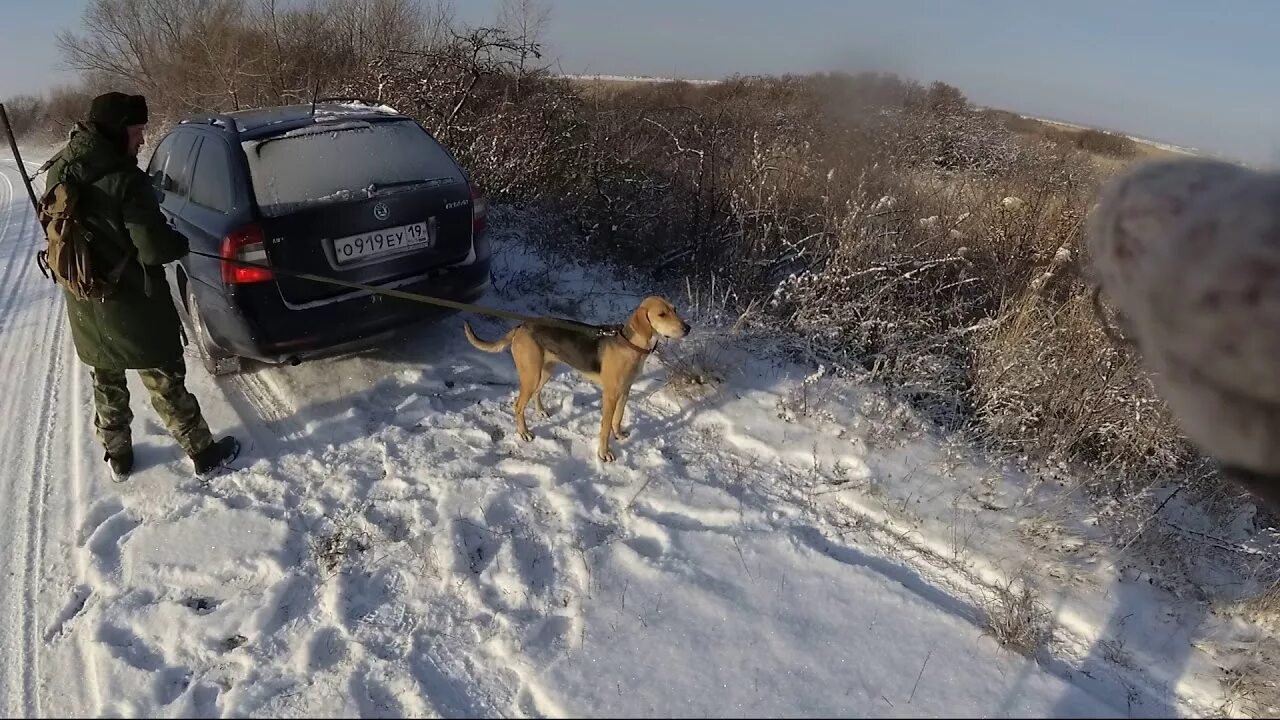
x: 137, y: 326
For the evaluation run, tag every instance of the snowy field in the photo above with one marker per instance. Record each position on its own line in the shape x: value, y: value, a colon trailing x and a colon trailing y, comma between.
x: 771, y: 541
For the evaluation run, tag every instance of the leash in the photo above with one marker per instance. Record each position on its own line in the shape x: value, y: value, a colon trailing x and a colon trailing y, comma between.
x: 420, y: 298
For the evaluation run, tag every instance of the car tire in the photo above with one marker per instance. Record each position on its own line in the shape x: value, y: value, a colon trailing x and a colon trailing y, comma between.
x: 216, y: 361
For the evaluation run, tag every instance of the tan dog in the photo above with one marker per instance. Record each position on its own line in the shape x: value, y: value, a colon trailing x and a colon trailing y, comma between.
x: 609, y: 357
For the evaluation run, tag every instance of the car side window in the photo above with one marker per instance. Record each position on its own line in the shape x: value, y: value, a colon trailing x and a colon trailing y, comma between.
x: 177, y: 176
x: 211, y: 181
x: 159, y: 158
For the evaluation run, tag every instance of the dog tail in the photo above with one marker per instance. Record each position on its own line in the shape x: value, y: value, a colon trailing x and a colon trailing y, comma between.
x: 488, y: 346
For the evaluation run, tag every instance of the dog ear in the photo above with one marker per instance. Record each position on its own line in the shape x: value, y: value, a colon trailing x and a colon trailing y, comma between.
x: 640, y: 319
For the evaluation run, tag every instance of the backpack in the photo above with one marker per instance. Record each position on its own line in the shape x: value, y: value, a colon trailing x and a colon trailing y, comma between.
x: 68, y: 257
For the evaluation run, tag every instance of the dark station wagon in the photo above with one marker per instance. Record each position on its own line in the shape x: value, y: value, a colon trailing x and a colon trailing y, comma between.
x: 345, y: 189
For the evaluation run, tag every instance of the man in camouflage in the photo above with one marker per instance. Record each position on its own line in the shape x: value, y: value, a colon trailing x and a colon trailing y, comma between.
x: 136, y: 327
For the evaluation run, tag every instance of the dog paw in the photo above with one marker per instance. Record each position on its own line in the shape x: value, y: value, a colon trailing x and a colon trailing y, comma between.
x: 606, y: 456
x: 526, y: 435
x: 622, y: 435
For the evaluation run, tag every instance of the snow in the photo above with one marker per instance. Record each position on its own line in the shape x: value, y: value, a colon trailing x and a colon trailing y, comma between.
x: 358, y: 107
x: 781, y: 542
x: 325, y: 126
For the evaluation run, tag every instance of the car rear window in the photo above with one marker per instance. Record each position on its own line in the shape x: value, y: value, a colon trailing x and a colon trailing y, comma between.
x: 341, y: 161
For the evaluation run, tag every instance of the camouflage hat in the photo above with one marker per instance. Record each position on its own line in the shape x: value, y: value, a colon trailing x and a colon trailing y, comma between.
x: 115, y: 109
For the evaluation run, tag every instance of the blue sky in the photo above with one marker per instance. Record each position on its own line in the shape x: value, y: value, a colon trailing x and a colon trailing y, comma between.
x: 1195, y: 73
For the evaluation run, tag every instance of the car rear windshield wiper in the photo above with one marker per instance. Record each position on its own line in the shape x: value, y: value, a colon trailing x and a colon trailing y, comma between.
x: 377, y: 188
x: 317, y: 128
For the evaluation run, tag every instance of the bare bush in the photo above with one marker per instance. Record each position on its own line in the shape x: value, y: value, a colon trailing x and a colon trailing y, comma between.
x: 49, y: 118
x: 1015, y: 122
x: 1017, y: 619
x: 1105, y: 143
x: 937, y: 126
x: 65, y: 106
x: 25, y: 113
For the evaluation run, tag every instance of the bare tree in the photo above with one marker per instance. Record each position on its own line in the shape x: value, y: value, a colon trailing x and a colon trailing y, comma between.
x: 229, y: 54
x: 527, y: 21
x: 166, y: 49
x: 371, y: 28
x: 438, y: 23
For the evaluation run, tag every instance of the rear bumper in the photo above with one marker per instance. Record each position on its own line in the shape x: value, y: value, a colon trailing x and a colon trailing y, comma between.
x: 260, y: 326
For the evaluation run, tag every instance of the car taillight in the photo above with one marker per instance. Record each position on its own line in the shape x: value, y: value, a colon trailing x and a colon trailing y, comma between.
x: 479, y: 211
x: 247, y: 245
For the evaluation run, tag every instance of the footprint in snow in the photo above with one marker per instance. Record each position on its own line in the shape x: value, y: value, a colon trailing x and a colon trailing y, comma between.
x: 326, y: 650
x: 107, y: 540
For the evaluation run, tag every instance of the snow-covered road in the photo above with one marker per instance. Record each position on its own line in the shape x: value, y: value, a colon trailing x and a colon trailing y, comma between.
x: 44, y: 481
x: 388, y: 547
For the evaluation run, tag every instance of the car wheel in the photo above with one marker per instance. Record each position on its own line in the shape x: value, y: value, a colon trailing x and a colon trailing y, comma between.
x: 216, y: 360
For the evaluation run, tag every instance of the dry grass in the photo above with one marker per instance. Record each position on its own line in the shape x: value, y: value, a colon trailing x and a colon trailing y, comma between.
x: 340, y: 543
x: 1263, y: 607
x: 694, y: 369
x: 1017, y: 619
x: 1099, y: 406
x: 1250, y: 683
x: 1250, y: 688
x: 698, y: 365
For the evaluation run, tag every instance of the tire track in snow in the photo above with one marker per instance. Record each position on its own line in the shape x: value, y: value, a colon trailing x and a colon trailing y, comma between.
x: 8, y: 249
x: 9, y: 246
x: 8, y: 206
x: 12, y: 702
x: 80, y: 407
x: 36, y: 513
x: 13, y: 337
x: 32, y: 343
x: 14, y: 286
x: 6, y: 704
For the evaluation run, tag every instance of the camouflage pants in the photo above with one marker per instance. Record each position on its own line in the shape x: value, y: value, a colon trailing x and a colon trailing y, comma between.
x: 176, y: 407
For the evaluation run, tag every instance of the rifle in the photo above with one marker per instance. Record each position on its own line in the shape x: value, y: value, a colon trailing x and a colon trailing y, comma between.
x: 17, y: 156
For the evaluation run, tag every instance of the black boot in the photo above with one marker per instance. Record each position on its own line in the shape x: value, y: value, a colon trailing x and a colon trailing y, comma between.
x: 216, y: 456
x: 121, y: 464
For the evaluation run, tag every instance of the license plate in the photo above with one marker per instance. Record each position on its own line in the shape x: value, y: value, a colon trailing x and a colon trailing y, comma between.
x: 382, y: 242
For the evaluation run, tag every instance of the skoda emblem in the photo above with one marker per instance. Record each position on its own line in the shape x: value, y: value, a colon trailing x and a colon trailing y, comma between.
x: 381, y: 211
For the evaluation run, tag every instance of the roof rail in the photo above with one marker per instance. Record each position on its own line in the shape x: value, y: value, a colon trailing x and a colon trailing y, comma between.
x: 215, y: 119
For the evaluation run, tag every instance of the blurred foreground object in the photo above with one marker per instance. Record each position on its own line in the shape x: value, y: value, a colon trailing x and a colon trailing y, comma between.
x: 1187, y: 252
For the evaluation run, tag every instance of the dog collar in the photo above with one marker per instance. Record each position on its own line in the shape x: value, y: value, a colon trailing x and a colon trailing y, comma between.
x: 622, y: 333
